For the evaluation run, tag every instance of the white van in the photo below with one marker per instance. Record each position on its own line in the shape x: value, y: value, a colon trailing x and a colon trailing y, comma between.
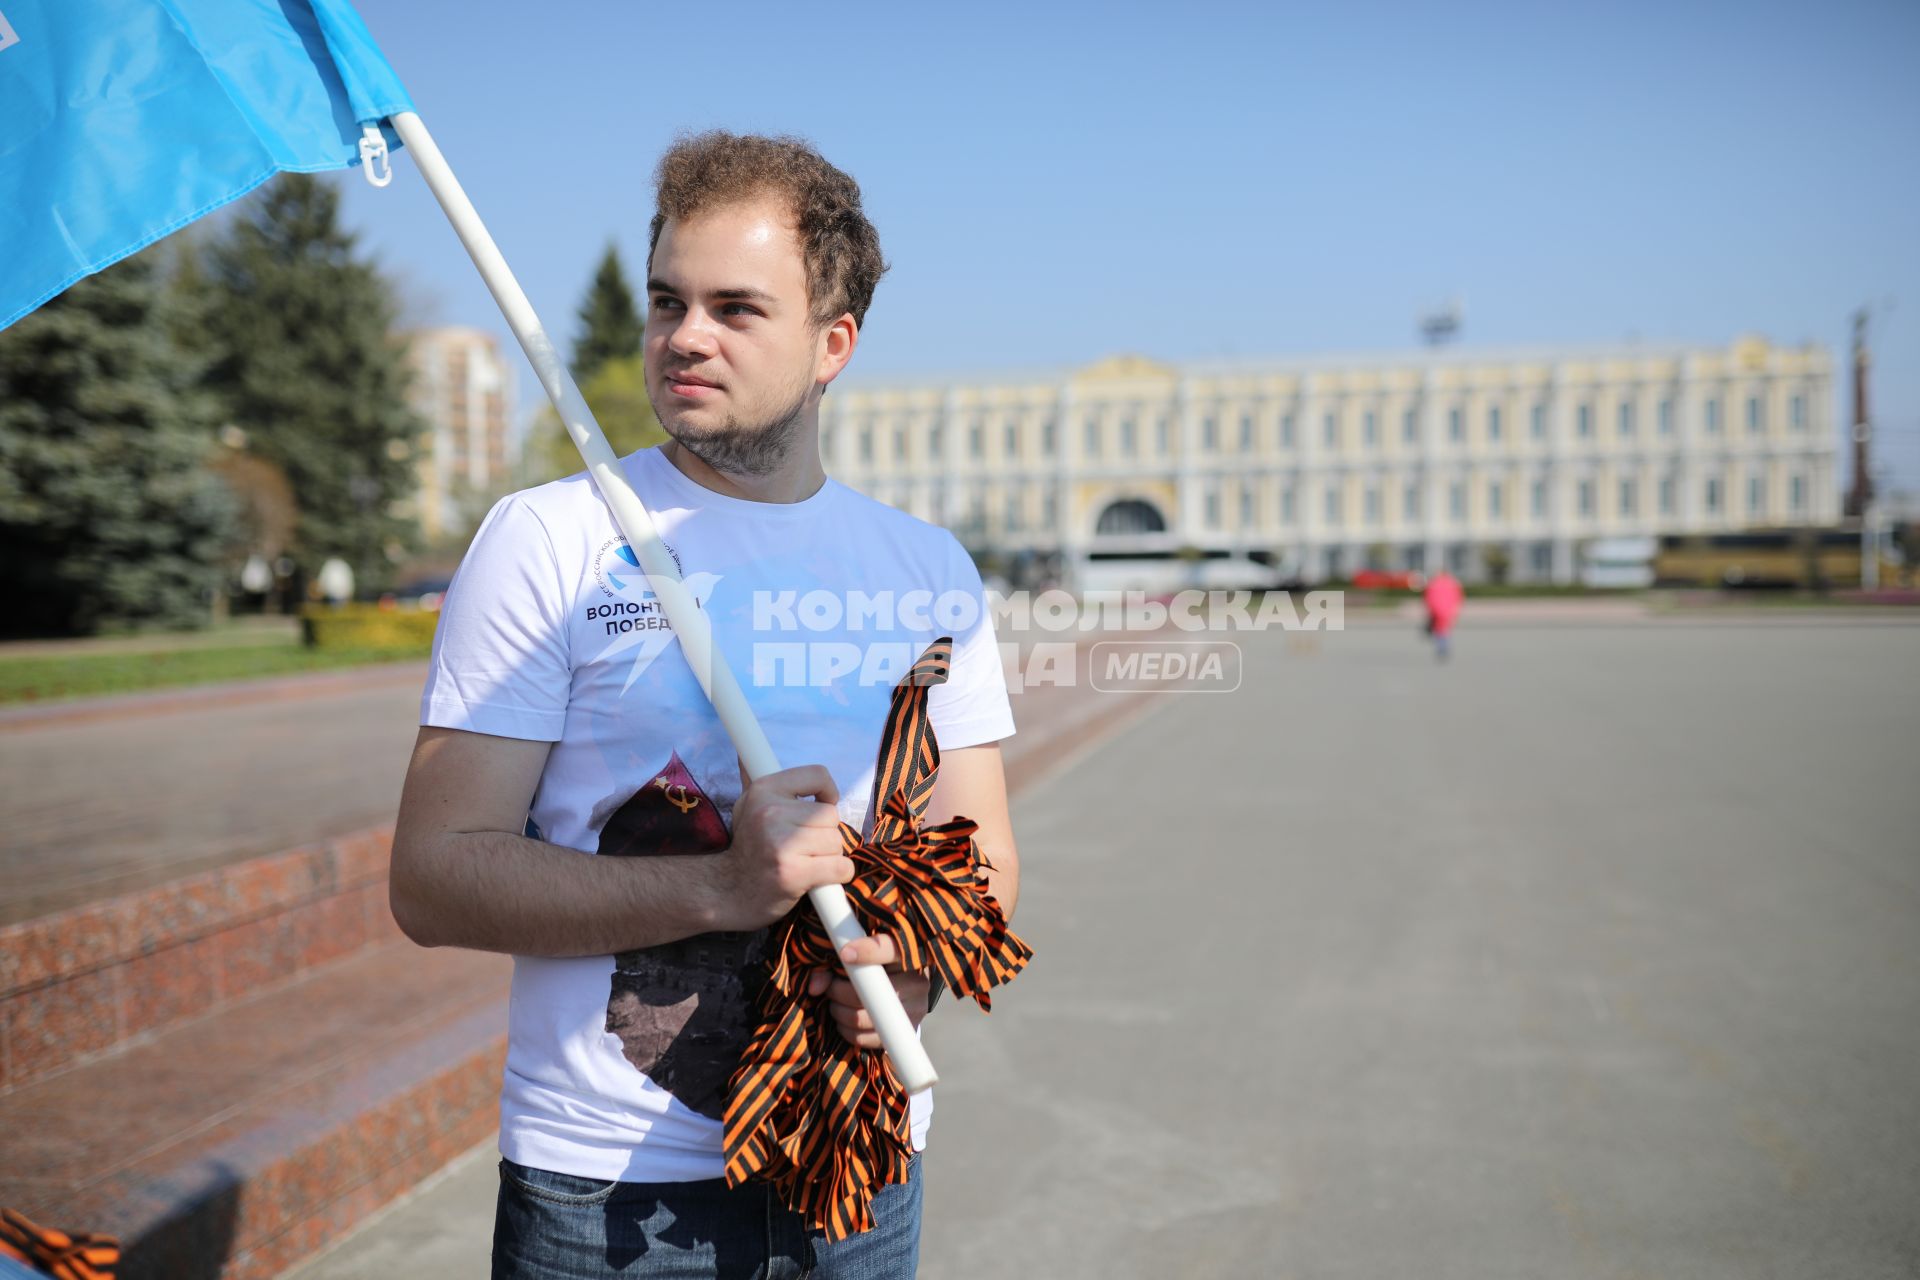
x: 1618, y: 562
x: 1164, y: 575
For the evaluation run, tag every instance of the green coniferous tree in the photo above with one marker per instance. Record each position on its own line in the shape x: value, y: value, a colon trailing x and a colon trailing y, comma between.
x: 610, y: 326
x: 108, y: 514
x: 305, y: 360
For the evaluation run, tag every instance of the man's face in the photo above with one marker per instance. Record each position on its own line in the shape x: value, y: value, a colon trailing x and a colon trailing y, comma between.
x: 732, y: 362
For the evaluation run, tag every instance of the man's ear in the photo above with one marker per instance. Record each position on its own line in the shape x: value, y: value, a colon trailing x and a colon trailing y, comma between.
x: 841, y: 337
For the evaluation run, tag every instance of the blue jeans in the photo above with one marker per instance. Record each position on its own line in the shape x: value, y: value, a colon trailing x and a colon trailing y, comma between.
x: 554, y: 1226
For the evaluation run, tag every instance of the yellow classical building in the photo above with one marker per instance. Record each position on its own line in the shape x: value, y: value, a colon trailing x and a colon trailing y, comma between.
x: 1453, y: 457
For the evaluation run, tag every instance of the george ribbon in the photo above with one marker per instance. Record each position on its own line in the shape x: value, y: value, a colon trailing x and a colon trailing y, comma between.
x: 823, y: 1122
x: 66, y: 1255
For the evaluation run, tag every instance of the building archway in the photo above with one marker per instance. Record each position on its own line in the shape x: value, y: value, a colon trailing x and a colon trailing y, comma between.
x: 1129, y: 518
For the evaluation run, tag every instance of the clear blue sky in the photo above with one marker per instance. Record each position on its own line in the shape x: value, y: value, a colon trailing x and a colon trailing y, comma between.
x: 1058, y: 182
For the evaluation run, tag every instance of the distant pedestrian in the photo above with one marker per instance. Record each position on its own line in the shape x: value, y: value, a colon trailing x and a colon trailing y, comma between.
x: 1443, y: 597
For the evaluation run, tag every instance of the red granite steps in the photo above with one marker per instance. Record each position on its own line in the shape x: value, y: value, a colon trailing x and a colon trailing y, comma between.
x: 91, y: 980
x: 237, y: 1144
x: 228, y: 1070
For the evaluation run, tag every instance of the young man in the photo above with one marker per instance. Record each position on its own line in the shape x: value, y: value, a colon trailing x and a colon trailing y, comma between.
x: 561, y: 720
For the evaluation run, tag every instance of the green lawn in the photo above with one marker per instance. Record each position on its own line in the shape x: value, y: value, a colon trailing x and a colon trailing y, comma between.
x: 43, y: 678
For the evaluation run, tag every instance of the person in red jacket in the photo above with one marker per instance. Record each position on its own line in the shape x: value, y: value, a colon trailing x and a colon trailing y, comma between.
x: 1443, y: 597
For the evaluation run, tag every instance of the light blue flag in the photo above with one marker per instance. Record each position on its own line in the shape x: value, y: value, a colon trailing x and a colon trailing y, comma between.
x: 124, y: 120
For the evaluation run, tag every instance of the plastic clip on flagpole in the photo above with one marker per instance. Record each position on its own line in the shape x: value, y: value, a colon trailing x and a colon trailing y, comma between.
x: 688, y: 620
x: 374, y: 161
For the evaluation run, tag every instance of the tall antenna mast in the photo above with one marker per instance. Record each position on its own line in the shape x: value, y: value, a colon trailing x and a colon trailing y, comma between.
x: 1860, y: 495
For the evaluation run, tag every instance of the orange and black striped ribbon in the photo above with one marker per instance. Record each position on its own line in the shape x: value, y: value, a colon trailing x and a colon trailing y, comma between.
x: 822, y: 1121
x: 68, y: 1256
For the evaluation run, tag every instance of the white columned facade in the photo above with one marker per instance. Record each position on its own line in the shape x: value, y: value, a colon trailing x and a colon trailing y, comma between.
x: 1323, y: 502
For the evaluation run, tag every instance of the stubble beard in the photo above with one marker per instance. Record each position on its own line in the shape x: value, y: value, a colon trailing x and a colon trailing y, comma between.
x: 738, y: 448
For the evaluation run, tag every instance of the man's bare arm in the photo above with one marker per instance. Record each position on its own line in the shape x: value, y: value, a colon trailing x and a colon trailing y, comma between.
x: 973, y: 784
x: 464, y: 875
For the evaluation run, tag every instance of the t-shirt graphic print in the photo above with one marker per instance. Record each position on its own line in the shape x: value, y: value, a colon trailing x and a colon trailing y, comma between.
x: 683, y: 1010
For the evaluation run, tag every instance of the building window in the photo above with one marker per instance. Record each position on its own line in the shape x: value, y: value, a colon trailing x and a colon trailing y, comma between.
x: 1090, y: 438
x: 1370, y: 429
x: 1538, y: 425
x: 1410, y: 503
x: 1286, y: 505
x: 1286, y: 431
x: 1586, y: 498
x: 1539, y: 499
x: 1373, y: 505
x: 1016, y: 500
x: 899, y: 442
x: 1713, y: 415
x: 1210, y: 432
x: 1666, y: 417
x: 1329, y: 431
x: 1626, y: 418
x: 1756, y: 416
x: 1756, y: 495
x: 1584, y: 422
x: 866, y: 444
x: 1213, y: 506
x: 1456, y: 431
x: 1493, y: 424
x: 1246, y: 506
x: 1496, y: 500
x: 1332, y: 508
x: 1540, y: 557
x: 1409, y: 428
x: 1012, y: 440
x: 1246, y: 433
x: 1049, y: 505
x: 1797, y: 494
x: 1713, y: 496
x: 1457, y: 500
x: 936, y: 437
x: 1049, y: 437
x: 1161, y: 430
x: 1797, y: 410
x: 1129, y: 437
x: 1627, y: 497
x: 1666, y: 495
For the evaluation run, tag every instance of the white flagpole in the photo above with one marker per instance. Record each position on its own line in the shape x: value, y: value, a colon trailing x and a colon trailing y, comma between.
x: 689, y: 621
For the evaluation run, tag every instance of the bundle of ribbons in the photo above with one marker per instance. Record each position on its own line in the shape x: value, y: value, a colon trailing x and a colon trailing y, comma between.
x: 67, y: 1255
x: 822, y: 1121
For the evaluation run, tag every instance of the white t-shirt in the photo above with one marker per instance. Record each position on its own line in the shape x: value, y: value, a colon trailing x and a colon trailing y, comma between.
x: 617, y: 1065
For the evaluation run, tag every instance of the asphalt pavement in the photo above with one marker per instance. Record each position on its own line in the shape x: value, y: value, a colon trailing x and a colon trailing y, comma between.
x: 1592, y: 953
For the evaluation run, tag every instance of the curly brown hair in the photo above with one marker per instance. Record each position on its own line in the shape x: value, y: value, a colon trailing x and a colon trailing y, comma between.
x: 840, y: 247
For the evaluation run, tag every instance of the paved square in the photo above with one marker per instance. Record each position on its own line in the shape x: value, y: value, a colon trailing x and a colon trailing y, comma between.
x: 1595, y: 953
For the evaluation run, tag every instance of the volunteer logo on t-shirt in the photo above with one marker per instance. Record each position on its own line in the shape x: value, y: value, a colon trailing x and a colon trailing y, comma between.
x: 628, y: 617
x: 615, y: 566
